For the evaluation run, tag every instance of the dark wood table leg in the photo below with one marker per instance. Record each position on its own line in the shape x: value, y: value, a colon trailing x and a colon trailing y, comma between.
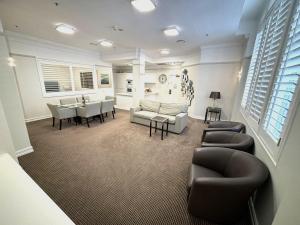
x: 150, y: 127
x: 155, y: 126
x: 167, y: 128
x: 162, y: 131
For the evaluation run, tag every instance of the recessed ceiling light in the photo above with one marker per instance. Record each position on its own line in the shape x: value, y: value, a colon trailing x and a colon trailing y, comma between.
x: 106, y: 43
x: 164, y: 51
x: 65, y: 28
x: 143, y: 5
x: 171, y: 31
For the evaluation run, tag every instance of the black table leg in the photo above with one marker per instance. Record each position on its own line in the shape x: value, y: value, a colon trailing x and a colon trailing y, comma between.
x: 150, y: 127
x: 167, y: 128
x: 155, y: 126
x: 162, y: 131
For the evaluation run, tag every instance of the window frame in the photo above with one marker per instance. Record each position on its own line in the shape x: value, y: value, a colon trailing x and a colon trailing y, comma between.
x: 39, y: 63
x: 273, y: 149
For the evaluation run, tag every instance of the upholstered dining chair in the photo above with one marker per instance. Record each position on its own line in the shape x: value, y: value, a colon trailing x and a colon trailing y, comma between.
x: 220, y: 183
x: 89, y: 110
x: 60, y: 113
x: 107, y: 106
x: 224, y: 126
x: 229, y: 139
x: 86, y: 97
x: 112, y: 98
x: 67, y: 101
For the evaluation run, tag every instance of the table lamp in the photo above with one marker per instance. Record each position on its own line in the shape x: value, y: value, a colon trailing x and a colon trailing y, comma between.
x: 215, y: 95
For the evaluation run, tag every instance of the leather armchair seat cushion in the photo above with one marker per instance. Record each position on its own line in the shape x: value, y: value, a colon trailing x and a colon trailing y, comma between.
x: 197, y: 171
x: 145, y: 114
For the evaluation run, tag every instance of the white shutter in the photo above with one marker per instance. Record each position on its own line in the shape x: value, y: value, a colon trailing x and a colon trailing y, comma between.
x: 286, y: 82
x: 276, y: 27
x: 57, y: 78
x: 251, y: 69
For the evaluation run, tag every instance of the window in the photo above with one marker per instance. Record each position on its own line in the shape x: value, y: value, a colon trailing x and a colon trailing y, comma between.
x: 60, y: 79
x: 286, y: 82
x: 273, y: 74
x: 266, y: 57
x: 57, y: 78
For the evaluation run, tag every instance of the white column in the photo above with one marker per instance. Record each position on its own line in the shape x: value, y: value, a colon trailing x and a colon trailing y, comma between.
x: 138, y: 69
x: 11, y: 101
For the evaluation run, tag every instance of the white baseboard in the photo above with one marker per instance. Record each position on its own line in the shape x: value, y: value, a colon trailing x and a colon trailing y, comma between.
x: 124, y: 108
x: 24, y: 151
x: 37, y: 118
x: 253, y: 216
x: 196, y: 117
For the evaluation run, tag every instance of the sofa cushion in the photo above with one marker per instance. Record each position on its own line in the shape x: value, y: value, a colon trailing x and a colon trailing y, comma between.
x: 147, y: 105
x: 200, y: 171
x: 172, y: 108
x: 172, y: 119
x: 145, y: 114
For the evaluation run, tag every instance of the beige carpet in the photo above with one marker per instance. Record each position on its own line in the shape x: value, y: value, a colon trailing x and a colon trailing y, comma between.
x: 114, y: 173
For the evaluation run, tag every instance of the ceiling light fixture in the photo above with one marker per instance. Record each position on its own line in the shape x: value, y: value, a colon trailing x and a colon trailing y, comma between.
x: 171, y: 31
x: 65, y: 28
x: 106, y: 43
x: 164, y: 51
x: 143, y: 5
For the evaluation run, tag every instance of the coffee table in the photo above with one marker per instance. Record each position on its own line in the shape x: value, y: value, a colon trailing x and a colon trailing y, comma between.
x: 163, y: 121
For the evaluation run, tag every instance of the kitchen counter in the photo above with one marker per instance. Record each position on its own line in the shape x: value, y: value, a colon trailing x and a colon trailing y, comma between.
x: 124, y: 94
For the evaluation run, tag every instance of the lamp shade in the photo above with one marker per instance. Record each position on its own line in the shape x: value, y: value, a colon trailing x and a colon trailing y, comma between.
x: 215, y: 95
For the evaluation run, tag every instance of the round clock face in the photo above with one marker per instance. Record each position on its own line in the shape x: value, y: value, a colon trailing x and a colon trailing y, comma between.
x: 162, y: 78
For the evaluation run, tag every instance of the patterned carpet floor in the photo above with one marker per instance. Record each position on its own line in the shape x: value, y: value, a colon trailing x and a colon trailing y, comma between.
x: 114, y: 173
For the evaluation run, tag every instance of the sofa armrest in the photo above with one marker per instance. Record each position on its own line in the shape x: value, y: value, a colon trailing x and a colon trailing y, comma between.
x: 181, y: 121
x: 132, y: 111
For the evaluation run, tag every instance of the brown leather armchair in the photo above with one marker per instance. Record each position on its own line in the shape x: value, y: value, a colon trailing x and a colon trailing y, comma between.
x: 225, y: 126
x: 229, y: 139
x: 220, y: 183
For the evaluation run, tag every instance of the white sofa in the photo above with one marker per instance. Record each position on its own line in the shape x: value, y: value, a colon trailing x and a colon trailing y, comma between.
x: 176, y: 113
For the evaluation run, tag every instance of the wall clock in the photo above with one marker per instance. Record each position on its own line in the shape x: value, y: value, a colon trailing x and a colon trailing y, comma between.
x: 162, y: 78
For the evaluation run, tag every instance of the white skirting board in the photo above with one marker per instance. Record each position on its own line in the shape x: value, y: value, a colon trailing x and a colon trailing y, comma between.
x: 24, y: 151
x: 37, y: 118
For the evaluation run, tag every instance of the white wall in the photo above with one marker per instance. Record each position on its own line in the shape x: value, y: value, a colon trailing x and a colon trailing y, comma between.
x: 26, y: 50
x: 216, y: 68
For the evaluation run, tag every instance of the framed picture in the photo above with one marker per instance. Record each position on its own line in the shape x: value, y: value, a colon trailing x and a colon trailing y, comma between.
x: 104, y: 80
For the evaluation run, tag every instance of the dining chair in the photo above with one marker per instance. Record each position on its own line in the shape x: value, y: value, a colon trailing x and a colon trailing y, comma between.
x: 107, y: 106
x: 61, y: 113
x: 67, y: 101
x: 108, y: 97
x: 89, y: 110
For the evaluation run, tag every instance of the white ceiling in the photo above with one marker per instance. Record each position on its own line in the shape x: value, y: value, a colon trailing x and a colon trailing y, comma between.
x: 94, y: 19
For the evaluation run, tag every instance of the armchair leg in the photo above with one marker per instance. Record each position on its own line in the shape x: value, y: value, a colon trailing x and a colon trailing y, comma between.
x: 87, y: 122
x: 60, y: 123
x: 53, y: 121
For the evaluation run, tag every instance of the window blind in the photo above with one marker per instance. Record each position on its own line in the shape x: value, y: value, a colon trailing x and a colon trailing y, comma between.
x: 251, y: 70
x: 268, y: 57
x: 57, y: 78
x: 286, y: 82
